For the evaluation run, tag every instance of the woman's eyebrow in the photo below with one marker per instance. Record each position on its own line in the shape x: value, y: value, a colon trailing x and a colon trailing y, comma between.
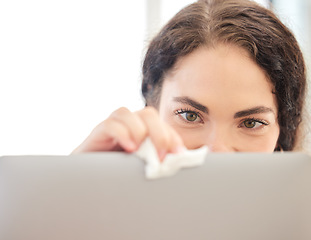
x: 255, y: 110
x: 191, y: 102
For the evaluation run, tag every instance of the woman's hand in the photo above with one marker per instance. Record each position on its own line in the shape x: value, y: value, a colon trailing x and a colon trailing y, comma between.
x: 125, y: 131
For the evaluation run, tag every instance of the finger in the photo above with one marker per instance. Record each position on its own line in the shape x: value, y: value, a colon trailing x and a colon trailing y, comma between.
x: 134, y: 124
x: 116, y: 134
x: 176, y: 142
x: 109, y: 135
x: 159, y: 132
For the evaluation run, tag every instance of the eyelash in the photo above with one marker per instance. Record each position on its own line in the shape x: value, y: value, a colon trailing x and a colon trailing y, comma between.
x: 261, y: 121
x: 182, y: 111
x: 241, y: 125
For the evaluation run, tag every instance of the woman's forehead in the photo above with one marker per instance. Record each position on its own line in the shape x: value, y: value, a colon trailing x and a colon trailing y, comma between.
x: 224, y: 64
x: 222, y: 75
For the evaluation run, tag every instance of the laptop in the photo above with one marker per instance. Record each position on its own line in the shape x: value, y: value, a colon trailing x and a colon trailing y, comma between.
x: 241, y: 196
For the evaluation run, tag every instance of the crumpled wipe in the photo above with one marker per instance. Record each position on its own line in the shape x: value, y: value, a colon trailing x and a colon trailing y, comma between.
x: 172, y: 163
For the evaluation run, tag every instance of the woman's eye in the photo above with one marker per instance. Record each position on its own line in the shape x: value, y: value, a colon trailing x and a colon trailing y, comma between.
x: 189, y: 116
x: 253, y: 124
x: 250, y: 123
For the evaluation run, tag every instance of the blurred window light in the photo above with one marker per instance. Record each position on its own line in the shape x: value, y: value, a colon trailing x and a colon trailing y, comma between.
x: 265, y: 3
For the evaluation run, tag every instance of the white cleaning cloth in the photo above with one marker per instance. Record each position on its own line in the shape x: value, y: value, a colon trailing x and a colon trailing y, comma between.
x: 171, y: 163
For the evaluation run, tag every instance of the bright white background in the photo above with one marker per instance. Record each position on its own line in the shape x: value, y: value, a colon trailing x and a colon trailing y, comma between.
x: 65, y: 65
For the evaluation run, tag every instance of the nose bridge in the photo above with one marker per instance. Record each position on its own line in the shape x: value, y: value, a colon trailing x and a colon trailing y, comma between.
x: 219, y: 139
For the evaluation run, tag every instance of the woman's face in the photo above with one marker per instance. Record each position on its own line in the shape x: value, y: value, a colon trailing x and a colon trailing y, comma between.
x: 221, y: 98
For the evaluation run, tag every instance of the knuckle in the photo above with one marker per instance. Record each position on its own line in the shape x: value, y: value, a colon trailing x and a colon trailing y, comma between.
x: 113, y: 128
x: 106, y: 124
x: 120, y: 112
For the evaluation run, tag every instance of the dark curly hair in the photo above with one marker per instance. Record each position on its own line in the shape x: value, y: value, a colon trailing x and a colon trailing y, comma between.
x: 245, y: 24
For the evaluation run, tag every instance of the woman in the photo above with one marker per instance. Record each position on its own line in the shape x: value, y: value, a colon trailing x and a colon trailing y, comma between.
x: 226, y: 74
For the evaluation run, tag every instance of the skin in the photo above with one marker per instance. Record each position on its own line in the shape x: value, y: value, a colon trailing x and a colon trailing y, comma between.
x: 216, y: 96
x: 220, y: 98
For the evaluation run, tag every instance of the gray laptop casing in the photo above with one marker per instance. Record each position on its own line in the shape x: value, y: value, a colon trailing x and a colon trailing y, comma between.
x: 240, y: 196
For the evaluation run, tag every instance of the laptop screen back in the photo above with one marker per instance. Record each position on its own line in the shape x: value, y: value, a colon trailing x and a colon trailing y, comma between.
x: 106, y: 196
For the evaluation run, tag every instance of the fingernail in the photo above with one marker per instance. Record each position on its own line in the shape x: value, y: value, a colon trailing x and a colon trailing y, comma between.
x: 130, y: 146
x: 161, y: 154
x: 179, y: 149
